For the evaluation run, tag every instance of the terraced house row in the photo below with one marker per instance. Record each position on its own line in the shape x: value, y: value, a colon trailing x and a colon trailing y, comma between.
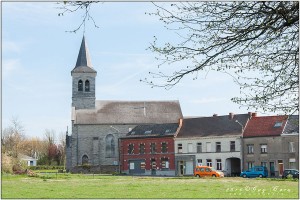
x: 228, y: 143
x: 154, y: 138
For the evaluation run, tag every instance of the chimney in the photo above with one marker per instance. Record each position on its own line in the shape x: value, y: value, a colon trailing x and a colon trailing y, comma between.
x: 215, y: 115
x: 254, y: 114
x: 231, y: 116
x: 250, y: 115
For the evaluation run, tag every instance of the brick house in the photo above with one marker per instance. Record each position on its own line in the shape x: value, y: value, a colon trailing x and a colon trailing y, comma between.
x: 212, y: 141
x: 149, y: 150
x: 272, y: 141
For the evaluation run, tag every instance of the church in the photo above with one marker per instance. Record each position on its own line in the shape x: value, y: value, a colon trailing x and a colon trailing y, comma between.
x: 98, y: 125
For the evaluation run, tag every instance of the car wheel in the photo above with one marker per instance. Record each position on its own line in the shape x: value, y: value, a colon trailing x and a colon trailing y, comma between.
x: 260, y: 176
x: 244, y: 176
x: 198, y: 175
x: 213, y: 175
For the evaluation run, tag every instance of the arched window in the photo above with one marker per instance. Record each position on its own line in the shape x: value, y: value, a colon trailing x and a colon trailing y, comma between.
x: 80, y: 85
x: 85, y: 160
x: 110, y: 146
x: 87, y: 85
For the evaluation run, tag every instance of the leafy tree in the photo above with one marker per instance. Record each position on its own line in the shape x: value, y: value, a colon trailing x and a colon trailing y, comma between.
x: 257, y: 43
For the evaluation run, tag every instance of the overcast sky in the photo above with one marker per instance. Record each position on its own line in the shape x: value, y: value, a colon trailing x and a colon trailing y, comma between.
x: 38, y: 56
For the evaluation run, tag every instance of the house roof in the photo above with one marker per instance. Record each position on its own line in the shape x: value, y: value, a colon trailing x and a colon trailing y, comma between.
x: 153, y: 130
x: 25, y: 157
x: 265, y: 126
x: 292, y: 125
x: 83, y: 64
x: 213, y: 126
x: 129, y: 112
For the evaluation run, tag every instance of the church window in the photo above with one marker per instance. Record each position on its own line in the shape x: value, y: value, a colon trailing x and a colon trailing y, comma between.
x: 87, y: 85
x: 80, y: 85
x: 110, y: 146
x: 85, y: 160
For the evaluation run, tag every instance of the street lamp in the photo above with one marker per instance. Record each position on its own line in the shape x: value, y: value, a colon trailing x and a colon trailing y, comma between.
x: 242, y: 144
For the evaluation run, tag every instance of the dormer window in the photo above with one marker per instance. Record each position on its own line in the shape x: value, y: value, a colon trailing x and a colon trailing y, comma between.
x: 80, y: 85
x: 87, y: 85
x: 278, y: 124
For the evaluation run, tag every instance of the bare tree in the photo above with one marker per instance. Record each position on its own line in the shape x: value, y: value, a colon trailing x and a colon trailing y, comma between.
x: 257, y: 43
x: 12, y: 138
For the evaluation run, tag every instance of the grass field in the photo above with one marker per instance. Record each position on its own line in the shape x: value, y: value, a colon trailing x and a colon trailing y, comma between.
x: 101, y: 186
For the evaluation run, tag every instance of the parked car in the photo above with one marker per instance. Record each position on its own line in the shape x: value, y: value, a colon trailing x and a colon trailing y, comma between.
x: 257, y: 171
x: 290, y: 172
x: 201, y: 171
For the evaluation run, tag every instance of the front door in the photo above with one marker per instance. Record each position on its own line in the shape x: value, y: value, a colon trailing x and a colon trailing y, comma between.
x: 272, y: 168
x: 181, y: 168
x: 153, y: 167
x: 280, y: 167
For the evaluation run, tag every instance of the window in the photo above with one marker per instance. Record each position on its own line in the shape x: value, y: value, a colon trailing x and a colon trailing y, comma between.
x: 85, y: 160
x: 110, y: 146
x: 130, y: 149
x: 165, y: 163
x: 80, y: 85
x: 164, y: 147
x: 208, y: 147
x: 292, y: 163
x: 218, y: 146
x: 207, y: 170
x: 208, y: 162
x: 87, y: 85
x: 278, y: 124
x: 152, y: 148
x: 219, y: 164
x: 232, y: 146
x: 264, y: 164
x: 263, y: 148
x: 179, y: 148
x: 142, y: 148
x: 250, y: 148
x: 199, y: 147
x: 95, y: 145
x: 190, y: 147
x: 199, y: 161
x: 250, y: 164
x: 291, y: 147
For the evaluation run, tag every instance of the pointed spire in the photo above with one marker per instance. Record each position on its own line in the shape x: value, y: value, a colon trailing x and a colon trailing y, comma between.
x: 83, y: 55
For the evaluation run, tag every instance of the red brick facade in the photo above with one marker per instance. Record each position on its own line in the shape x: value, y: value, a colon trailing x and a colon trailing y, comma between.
x: 148, y: 156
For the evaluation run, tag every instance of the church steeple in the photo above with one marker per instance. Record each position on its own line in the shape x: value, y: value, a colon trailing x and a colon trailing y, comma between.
x: 83, y: 58
x: 83, y: 80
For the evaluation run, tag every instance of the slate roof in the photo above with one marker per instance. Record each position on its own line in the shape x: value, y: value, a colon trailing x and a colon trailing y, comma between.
x: 153, y: 130
x: 129, y: 112
x: 83, y: 64
x: 212, y: 126
x: 292, y: 125
x: 265, y: 126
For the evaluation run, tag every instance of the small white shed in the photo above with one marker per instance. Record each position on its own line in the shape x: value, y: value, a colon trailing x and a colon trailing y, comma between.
x: 30, y: 160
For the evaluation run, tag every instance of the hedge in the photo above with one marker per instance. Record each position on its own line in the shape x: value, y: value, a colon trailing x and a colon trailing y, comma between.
x: 45, y: 167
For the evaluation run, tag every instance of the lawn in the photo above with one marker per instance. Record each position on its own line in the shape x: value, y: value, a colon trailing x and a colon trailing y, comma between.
x: 73, y: 186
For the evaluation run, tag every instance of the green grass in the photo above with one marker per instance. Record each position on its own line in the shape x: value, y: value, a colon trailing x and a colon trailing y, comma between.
x: 101, y: 186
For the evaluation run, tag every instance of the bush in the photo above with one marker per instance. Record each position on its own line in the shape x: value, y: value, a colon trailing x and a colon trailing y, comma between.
x: 46, y: 167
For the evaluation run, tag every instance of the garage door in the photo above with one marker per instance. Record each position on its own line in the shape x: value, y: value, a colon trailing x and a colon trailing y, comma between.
x: 189, y: 168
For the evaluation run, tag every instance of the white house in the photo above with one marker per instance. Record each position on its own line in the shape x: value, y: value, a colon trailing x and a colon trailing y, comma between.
x: 211, y: 141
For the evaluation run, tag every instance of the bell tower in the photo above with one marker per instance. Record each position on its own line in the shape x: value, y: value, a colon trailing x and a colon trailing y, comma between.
x: 83, y: 80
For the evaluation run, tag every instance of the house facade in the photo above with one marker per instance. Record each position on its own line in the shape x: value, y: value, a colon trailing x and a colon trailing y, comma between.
x: 97, y: 125
x: 212, y: 141
x: 149, y: 150
x: 272, y: 141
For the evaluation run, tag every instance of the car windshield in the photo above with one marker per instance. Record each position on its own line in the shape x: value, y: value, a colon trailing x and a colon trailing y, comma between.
x: 213, y: 169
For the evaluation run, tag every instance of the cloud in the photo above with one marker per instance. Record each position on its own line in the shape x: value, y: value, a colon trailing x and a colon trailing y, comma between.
x: 9, y: 46
x: 10, y: 66
x: 208, y: 100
